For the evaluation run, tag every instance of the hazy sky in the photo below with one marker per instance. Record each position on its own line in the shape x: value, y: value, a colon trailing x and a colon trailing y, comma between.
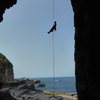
x: 25, y: 42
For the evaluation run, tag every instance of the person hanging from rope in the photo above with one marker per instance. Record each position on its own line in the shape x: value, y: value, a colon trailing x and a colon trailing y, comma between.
x: 53, y: 27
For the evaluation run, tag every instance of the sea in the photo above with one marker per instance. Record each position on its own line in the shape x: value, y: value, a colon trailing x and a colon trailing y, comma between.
x: 59, y: 84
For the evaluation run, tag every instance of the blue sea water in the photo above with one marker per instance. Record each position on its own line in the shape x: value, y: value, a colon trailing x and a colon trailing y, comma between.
x: 62, y: 84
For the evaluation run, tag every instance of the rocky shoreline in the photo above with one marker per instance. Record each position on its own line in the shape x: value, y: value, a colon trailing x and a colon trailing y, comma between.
x: 24, y: 89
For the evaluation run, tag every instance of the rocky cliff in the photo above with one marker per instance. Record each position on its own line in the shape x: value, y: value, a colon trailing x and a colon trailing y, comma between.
x: 6, y: 69
x: 5, y: 4
x: 86, y: 25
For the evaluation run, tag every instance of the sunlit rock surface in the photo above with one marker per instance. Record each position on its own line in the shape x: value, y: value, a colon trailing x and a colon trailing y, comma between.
x: 6, y: 69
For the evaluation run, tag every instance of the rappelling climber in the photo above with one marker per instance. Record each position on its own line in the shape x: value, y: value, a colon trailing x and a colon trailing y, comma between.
x: 53, y: 27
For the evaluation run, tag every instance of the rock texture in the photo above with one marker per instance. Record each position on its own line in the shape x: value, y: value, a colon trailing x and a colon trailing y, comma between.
x: 6, y: 69
x: 5, y: 4
x: 5, y: 95
x: 86, y: 25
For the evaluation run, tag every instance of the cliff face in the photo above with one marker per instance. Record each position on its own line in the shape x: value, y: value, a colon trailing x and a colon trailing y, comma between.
x: 5, y: 4
x: 86, y: 25
x: 6, y: 69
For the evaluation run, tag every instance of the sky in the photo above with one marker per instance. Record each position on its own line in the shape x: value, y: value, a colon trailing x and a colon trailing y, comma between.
x: 25, y: 42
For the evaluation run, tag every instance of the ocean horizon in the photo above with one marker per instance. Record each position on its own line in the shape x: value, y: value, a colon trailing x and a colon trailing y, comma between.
x: 61, y: 84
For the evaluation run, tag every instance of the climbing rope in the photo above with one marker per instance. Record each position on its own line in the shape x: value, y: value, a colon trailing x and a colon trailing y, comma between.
x: 54, y: 97
x: 53, y: 47
x: 53, y: 53
x: 53, y: 10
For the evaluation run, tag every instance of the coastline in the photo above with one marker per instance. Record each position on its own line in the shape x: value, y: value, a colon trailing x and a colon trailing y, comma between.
x: 32, y: 95
x: 62, y: 84
x: 24, y: 89
x: 67, y: 95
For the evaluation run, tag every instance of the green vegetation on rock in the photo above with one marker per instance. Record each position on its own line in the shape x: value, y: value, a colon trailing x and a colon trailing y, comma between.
x: 3, y: 59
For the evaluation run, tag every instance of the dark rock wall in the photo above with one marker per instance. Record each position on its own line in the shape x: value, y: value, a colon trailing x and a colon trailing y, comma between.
x: 5, y: 95
x: 86, y: 25
x: 6, y: 69
x: 5, y: 4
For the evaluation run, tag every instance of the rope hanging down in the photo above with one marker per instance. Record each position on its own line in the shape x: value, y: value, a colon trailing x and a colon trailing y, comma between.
x: 53, y: 17
x: 53, y: 9
x: 53, y: 97
x: 53, y: 46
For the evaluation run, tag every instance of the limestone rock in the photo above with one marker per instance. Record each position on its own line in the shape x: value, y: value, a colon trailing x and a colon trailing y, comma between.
x: 6, y: 69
